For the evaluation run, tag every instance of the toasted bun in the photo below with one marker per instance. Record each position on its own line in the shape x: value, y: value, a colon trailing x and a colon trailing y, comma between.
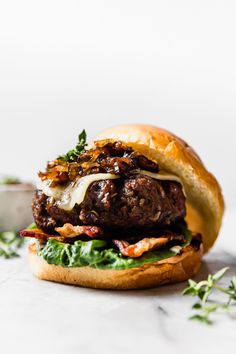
x: 205, y: 205
x: 171, y: 270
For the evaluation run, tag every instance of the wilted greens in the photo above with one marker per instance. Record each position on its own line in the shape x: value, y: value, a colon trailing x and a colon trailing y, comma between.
x: 95, y: 254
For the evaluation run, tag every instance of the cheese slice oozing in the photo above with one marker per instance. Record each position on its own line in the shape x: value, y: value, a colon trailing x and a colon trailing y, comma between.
x: 74, y: 193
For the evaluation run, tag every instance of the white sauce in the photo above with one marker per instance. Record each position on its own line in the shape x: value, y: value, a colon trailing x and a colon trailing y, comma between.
x: 74, y: 193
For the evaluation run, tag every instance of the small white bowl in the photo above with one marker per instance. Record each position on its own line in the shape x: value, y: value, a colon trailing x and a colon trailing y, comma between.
x: 15, y: 206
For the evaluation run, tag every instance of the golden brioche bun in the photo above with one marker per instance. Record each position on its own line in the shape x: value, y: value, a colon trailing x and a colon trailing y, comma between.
x: 204, y: 200
x: 171, y: 270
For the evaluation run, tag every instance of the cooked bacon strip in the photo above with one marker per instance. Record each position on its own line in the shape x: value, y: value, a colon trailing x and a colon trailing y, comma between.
x: 137, y: 249
x: 144, y: 245
x: 40, y: 235
x: 68, y: 230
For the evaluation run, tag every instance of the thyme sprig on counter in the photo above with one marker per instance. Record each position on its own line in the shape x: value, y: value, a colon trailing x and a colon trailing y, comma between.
x: 205, y: 289
x: 9, y: 180
x: 73, y: 154
x: 10, y: 242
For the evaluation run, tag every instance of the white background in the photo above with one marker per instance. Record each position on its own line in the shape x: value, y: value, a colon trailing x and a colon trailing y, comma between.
x: 68, y: 65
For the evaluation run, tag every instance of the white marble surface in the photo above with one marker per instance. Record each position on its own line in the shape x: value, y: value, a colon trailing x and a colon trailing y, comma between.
x: 43, y: 317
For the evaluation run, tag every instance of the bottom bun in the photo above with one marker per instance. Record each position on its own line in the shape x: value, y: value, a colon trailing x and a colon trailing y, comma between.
x: 171, y: 270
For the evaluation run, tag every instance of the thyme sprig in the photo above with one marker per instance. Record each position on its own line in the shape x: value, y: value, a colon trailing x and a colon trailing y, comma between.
x: 10, y: 242
x: 73, y: 154
x: 204, y: 290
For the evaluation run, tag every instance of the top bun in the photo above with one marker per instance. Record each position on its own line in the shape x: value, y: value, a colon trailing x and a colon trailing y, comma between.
x: 204, y: 200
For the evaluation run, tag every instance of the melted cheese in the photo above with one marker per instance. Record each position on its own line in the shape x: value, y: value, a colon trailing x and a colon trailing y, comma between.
x: 55, y: 192
x: 74, y: 193
x: 162, y: 176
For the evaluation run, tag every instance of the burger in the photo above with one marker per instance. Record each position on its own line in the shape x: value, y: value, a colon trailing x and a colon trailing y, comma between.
x: 135, y: 209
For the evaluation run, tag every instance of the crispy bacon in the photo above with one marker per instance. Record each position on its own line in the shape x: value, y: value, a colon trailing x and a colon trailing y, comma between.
x: 68, y: 230
x: 140, y: 247
x: 144, y: 245
x: 40, y: 235
x: 65, y: 232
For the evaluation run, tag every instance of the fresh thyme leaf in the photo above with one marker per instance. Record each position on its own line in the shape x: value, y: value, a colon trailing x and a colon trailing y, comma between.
x: 205, y: 294
x: 201, y: 318
x: 203, y: 291
x: 191, y: 289
x: 197, y: 306
x: 73, y: 154
x: 232, y: 289
x: 9, y: 243
x: 219, y: 275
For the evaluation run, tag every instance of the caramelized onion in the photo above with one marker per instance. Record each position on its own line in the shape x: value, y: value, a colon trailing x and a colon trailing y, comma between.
x: 105, y: 157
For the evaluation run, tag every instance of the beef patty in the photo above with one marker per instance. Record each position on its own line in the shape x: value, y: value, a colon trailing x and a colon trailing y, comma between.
x: 137, y: 201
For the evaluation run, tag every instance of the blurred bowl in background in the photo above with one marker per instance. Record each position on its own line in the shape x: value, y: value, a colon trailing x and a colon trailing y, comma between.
x: 15, y: 206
